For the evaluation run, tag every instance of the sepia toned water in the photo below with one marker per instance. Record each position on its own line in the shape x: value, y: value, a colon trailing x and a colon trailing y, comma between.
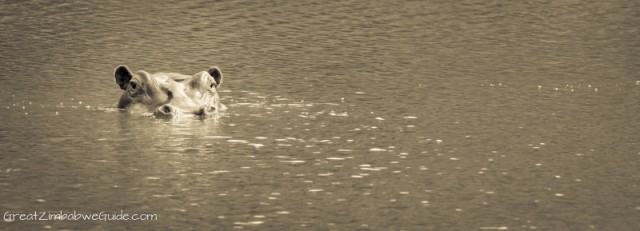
x: 346, y: 115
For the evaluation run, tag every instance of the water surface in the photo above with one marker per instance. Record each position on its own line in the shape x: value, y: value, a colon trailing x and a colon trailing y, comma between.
x: 350, y: 115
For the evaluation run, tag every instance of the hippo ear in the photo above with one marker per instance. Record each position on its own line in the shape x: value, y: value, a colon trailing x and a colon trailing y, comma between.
x: 216, y: 74
x: 123, y: 76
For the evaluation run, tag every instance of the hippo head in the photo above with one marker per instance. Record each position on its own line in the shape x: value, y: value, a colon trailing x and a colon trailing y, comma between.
x: 170, y: 94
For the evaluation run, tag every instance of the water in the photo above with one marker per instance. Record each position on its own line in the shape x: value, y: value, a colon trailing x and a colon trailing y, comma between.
x: 349, y: 115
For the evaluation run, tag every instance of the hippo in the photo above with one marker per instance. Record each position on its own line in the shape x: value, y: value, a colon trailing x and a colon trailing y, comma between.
x: 170, y: 94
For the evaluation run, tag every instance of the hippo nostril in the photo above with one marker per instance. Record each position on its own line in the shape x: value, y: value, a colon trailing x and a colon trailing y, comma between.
x: 212, y: 85
x: 166, y: 109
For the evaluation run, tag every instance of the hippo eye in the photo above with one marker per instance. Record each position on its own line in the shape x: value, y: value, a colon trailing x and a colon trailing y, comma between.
x: 133, y: 85
x: 212, y: 85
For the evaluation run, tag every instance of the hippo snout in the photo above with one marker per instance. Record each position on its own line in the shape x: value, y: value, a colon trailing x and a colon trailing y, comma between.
x: 168, y: 111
